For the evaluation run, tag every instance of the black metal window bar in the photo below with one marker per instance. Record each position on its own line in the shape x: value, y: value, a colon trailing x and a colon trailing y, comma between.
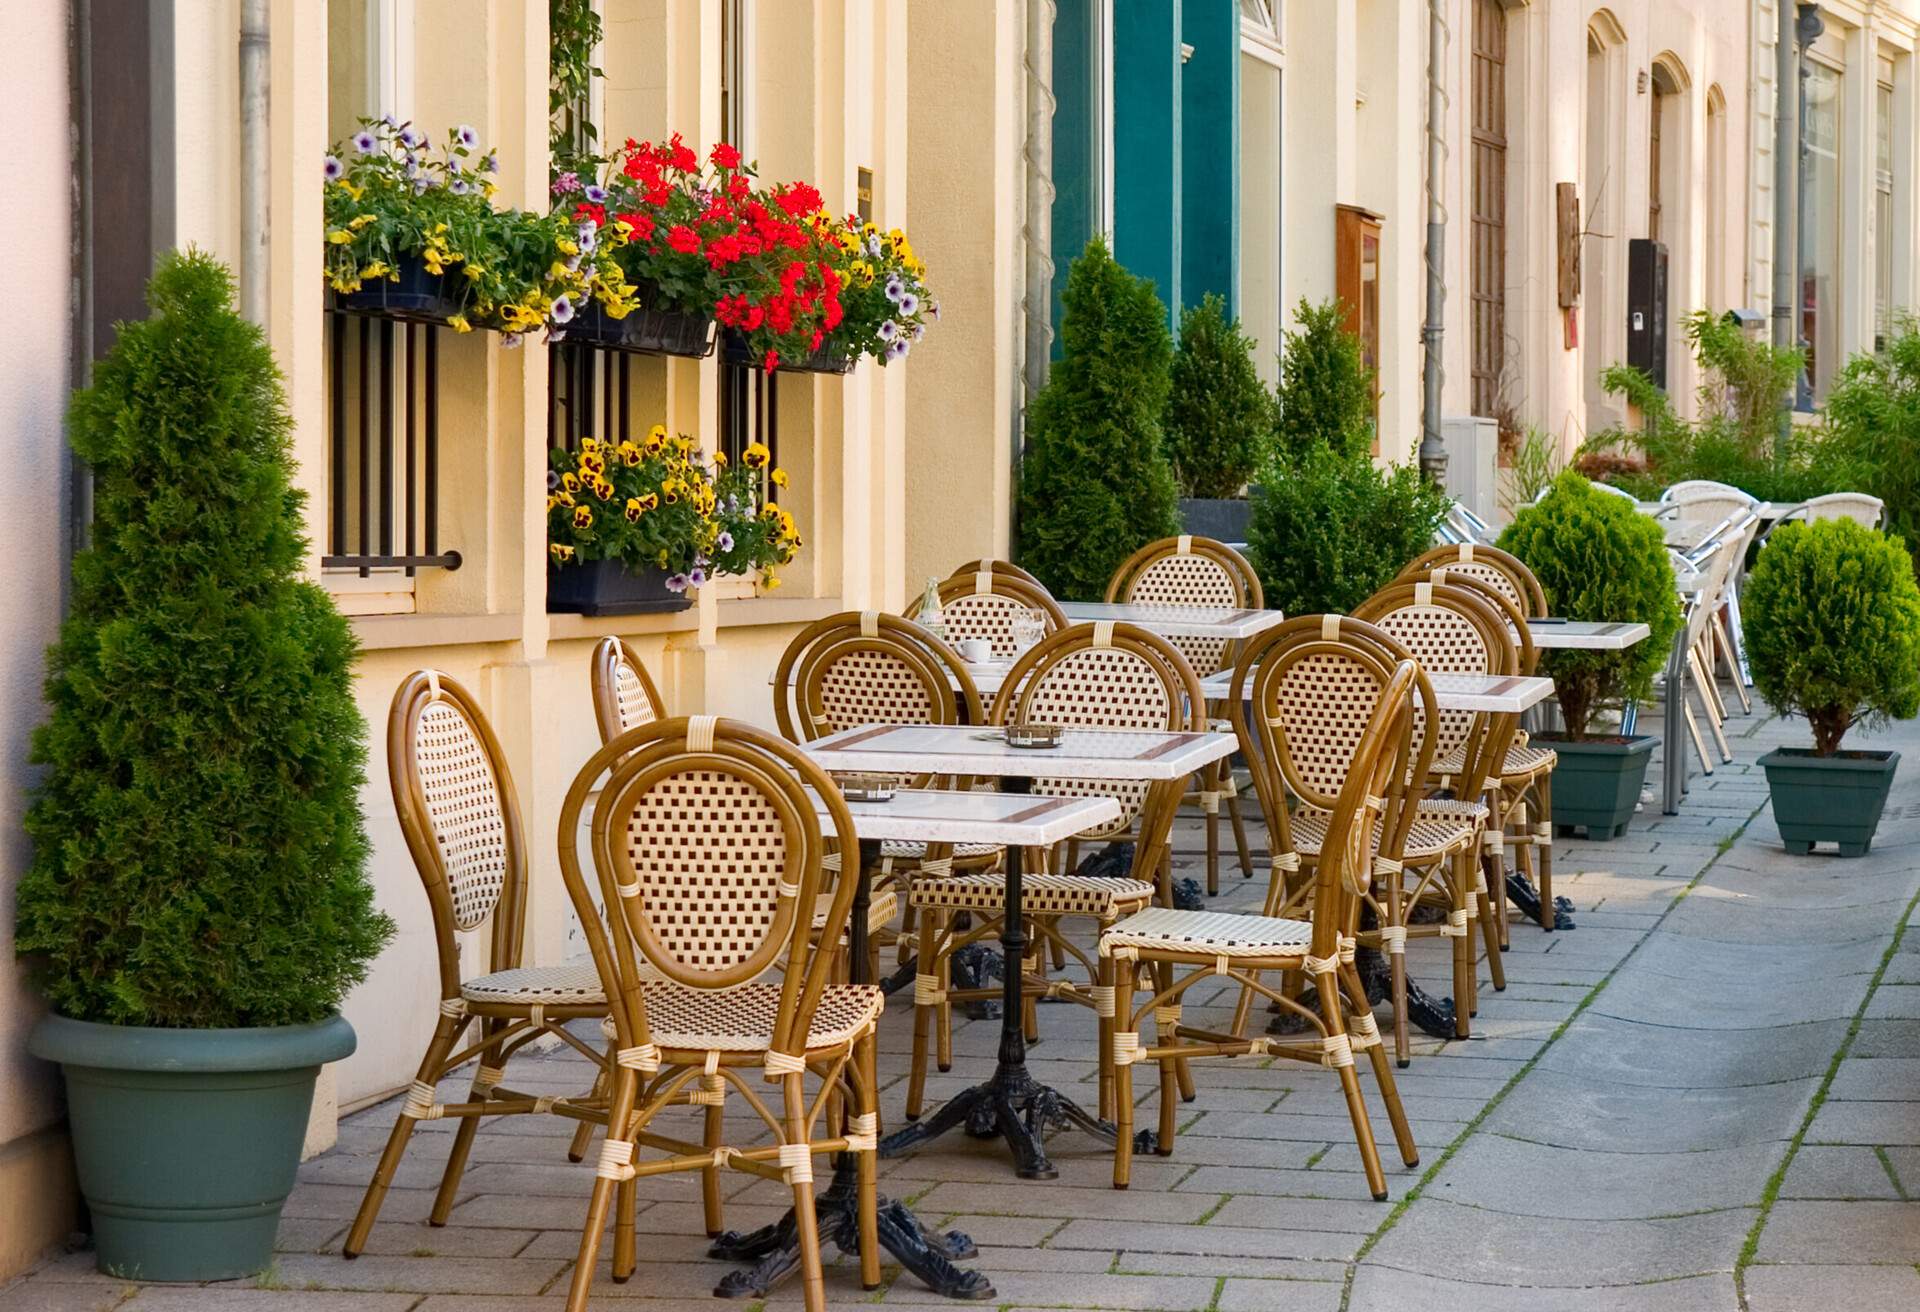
x: 384, y: 457
x: 589, y: 394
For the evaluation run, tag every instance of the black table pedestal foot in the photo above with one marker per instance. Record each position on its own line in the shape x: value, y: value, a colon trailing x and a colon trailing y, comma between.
x: 1521, y: 892
x: 1018, y: 1108
x: 775, y: 1249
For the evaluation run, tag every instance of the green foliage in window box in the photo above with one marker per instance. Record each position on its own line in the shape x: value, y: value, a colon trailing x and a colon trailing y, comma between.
x: 1219, y: 414
x: 1597, y: 558
x: 1326, y: 389
x: 1832, y: 621
x: 198, y: 849
x: 1873, y: 429
x: 1329, y: 529
x: 1095, y: 482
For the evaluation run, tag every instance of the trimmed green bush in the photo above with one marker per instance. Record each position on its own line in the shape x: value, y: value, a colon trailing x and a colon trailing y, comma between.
x: 1219, y: 414
x: 1095, y: 485
x: 1873, y: 429
x: 1832, y: 621
x: 1597, y: 558
x: 1326, y: 389
x: 198, y: 849
x: 1328, y: 530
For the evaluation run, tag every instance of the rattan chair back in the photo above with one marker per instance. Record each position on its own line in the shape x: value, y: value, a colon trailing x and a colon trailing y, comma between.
x: 1502, y: 570
x: 992, y: 566
x: 866, y: 667
x: 624, y: 694
x: 1701, y: 509
x: 460, y: 817
x: 1103, y: 676
x: 1189, y: 571
x: 1862, y: 509
x: 983, y: 604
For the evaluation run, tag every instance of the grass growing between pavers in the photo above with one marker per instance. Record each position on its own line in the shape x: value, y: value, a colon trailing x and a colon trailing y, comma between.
x: 1447, y: 1153
x: 1771, y: 1194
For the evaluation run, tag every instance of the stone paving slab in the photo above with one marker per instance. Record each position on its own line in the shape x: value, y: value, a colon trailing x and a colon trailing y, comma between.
x: 1604, y: 1142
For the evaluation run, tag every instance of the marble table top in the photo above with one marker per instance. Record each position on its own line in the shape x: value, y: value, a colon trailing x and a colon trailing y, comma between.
x: 1132, y: 754
x: 1587, y: 635
x: 1011, y: 819
x: 1507, y: 694
x: 1176, y: 621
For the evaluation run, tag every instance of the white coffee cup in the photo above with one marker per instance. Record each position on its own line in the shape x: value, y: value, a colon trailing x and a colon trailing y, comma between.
x: 974, y: 651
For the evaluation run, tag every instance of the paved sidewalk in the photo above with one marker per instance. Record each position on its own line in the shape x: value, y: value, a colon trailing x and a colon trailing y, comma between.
x: 1705, y: 1097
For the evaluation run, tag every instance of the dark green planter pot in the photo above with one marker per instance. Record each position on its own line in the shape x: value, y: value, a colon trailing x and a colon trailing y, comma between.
x: 1828, y: 799
x: 1596, y: 785
x: 187, y: 1140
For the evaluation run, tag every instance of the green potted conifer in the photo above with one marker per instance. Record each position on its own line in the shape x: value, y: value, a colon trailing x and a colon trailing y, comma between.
x: 197, y: 904
x: 1597, y: 558
x: 1832, y: 620
x: 1218, y: 422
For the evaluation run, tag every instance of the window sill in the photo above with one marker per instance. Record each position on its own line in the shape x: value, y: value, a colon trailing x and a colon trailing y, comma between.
x: 388, y: 632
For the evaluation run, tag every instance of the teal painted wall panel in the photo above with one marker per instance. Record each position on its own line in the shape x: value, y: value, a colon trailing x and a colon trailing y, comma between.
x: 1147, y: 141
x: 1210, y: 153
x: 1076, y: 139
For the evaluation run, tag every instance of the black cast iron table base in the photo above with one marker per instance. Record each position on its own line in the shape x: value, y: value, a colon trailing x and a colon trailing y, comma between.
x: 1522, y: 893
x: 775, y: 1249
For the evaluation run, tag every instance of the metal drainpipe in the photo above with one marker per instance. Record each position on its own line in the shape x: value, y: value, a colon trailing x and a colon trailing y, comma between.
x: 1037, y: 234
x: 1807, y: 30
x: 255, y: 154
x: 1433, y: 452
x: 1785, y: 209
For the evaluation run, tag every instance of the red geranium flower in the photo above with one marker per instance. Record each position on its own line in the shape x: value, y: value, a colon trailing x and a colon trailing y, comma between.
x: 725, y: 156
x: 683, y: 239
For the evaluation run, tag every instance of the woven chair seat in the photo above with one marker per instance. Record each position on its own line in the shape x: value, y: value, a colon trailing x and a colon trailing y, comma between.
x: 904, y: 849
x: 741, y: 1019
x: 1521, y: 762
x: 572, y: 984
x: 1430, y: 838
x: 1040, y: 895
x: 1213, y: 933
x: 880, y: 908
x: 1451, y: 808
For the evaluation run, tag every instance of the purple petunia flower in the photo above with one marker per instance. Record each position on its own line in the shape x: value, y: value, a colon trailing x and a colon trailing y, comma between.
x: 459, y: 187
x: 895, y: 290
x: 933, y: 308
x: 724, y: 542
x: 421, y: 183
x: 676, y: 583
x: 897, y: 350
x: 919, y: 331
x: 412, y: 140
x: 466, y: 136
x: 909, y: 303
x: 562, y: 310
x: 566, y: 182
x: 596, y: 194
x: 572, y: 262
x: 553, y: 479
x: 588, y: 237
x: 510, y: 341
x: 888, y: 330
x: 491, y: 163
x: 365, y: 142
x: 698, y: 577
x: 334, y: 169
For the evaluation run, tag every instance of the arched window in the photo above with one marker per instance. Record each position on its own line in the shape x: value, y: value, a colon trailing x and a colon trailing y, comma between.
x: 1603, y: 248
x: 1719, y: 296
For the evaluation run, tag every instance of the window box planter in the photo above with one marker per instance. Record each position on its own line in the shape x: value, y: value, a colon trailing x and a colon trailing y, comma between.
x: 644, y: 331
x: 418, y: 297
x: 1828, y: 799
x: 606, y: 587
x: 1597, y: 783
x: 187, y: 1141
x: 829, y: 359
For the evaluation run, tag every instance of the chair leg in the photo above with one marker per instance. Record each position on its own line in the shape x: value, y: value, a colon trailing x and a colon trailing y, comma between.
x: 1699, y: 743
x: 1330, y: 1008
x: 1489, y: 931
x: 943, y: 1010
x: 715, y: 1118
x: 924, y: 1014
x: 445, y: 1034
x: 1122, y: 1077
x: 1543, y: 840
x: 1240, y: 835
x: 619, y: 1117
x: 1210, y: 802
x: 1723, y: 640
x: 1397, y: 970
x: 626, y: 1197
x: 867, y: 1204
x: 1382, y: 1071
x: 463, y: 1136
x: 1182, y: 1069
x: 1462, y: 964
x: 583, y: 1133
x: 1709, y: 697
x: 806, y: 1225
x: 1103, y: 988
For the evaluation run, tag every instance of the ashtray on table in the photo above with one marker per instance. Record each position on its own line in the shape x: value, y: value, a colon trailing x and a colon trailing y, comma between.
x: 1033, y: 735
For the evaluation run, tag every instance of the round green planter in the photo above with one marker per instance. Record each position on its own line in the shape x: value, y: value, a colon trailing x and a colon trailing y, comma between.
x: 1597, y: 782
x: 1828, y: 799
x: 187, y: 1141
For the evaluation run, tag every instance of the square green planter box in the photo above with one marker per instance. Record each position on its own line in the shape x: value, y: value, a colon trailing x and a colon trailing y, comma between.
x: 1828, y: 799
x: 1597, y: 782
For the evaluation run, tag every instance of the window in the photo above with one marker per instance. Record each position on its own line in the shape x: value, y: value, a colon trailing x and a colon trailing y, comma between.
x: 1821, y: 211
x: 1488, y: 251
x: 1715, y: 250
x: 1882, y: 237
x: 1262, y: 299
x: 749, y: 399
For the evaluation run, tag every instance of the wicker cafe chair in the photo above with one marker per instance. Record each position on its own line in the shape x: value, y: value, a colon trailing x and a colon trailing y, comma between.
x: 1243, y: 948
x: 983, y: 605
x: 1866, y: 511
x: 1194, y: 571
x: 1006, y: 567
x: 705, y: 839
x: 863, y: 667
x: 1092, y: 676
x: 461, y: 819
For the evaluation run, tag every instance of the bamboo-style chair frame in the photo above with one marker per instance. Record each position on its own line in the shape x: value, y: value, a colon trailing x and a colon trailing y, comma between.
x: 982, y: 605
x: 460, y: 816
x: 681, y: 971
x: 1244, y: 948
x: 1053, y: 682
x: 1199, y: 571
x: 993, y: 566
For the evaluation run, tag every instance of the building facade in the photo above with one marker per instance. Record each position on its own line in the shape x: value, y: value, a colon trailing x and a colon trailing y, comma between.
x: 1264, y: 150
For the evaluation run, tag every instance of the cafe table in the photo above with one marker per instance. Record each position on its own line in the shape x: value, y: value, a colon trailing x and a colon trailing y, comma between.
x: 1012, y: 1103
x: 928, y: 816
x: 1586, y: 635
x: 1170, y: 621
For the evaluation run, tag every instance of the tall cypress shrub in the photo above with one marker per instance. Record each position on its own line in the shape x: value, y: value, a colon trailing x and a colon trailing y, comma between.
x: 199, y: 852
x: 1095, y: 483
x: 1219, y: 414
x: 1326, y: 390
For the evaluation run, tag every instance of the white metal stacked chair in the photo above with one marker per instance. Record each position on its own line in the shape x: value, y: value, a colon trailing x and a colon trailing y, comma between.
x: 708, y: 853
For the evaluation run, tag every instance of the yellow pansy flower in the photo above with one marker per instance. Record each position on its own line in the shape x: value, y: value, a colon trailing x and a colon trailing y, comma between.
x: 779, y: 478
x: 562, y: 553
x: 583, y: 516
x: 756, y: 455
x: 339, y: 237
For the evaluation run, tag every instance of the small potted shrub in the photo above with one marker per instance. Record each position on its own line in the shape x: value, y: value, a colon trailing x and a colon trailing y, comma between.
x: 1597, y: 558
x: 632, y: 525
x: 1218, y: 421
x: 196, y: 906
x: 413, y: 234
x: 1832, y: 619
x: 1326, y: 392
